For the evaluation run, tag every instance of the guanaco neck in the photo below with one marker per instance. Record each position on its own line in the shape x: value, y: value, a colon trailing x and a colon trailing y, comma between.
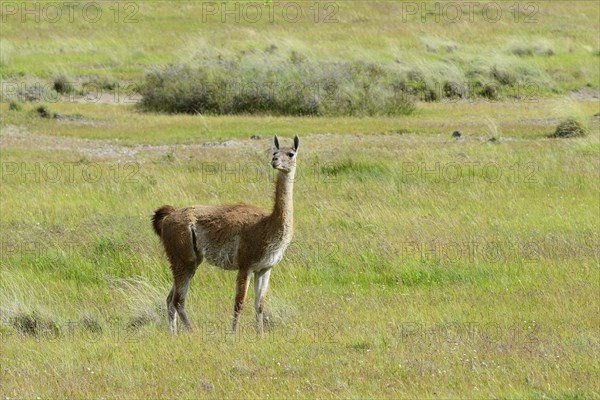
x: 284, y: 203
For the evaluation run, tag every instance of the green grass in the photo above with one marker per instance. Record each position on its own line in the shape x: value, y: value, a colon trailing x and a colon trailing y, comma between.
x: 421, y: 266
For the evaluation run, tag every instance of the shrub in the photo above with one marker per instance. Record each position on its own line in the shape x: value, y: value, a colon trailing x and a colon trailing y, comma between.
x: 43, y: 112
x: 289, y: 83
x: 488, y: 90
x: 62, y: 84
x: 570, y: 127
x: 453, y: 89
x: 180, y: 89
x: 292, y: 86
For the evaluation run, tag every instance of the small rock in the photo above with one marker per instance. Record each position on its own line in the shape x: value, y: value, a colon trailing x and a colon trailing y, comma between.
x: 256, y: 137
x: 456, y: 134
x: 207, y: 386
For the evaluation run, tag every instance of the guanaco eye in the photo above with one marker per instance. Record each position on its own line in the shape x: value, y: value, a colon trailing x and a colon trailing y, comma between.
x: 290, y: 155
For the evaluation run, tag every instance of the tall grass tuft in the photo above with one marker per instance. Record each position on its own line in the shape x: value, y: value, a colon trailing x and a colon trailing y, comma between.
x: 573, y: 121
x: 570, y: 127
x: 63, y: 84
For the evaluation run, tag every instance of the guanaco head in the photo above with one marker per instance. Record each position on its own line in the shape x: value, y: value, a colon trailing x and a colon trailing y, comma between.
x: 284, y: 158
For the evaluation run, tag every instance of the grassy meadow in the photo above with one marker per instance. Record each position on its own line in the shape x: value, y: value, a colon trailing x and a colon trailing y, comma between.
x: 423, y: 265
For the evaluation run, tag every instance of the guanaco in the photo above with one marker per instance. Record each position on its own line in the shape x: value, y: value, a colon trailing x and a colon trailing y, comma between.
x: 239, y: 237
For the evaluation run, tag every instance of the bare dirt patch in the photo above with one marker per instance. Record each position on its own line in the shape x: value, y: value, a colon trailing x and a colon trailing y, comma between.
x: 18, y: 137
x: 115, y: 151
x: 585, y: 94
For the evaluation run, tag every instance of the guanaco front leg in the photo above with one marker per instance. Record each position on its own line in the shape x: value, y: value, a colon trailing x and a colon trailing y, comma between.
x: 241, y: 288
x: 261, y: 284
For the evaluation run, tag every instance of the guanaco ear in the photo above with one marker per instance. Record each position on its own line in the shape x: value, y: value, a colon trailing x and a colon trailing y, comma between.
x: 276, y: 142
x: 296, y: 143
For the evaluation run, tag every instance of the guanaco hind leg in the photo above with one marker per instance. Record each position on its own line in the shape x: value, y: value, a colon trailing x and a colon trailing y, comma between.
x: 176, y: 300
x: 171, y: 312
x: 261, y: 284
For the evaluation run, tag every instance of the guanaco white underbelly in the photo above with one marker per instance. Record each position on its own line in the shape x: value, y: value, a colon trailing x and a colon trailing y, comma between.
x: 222, y: 255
